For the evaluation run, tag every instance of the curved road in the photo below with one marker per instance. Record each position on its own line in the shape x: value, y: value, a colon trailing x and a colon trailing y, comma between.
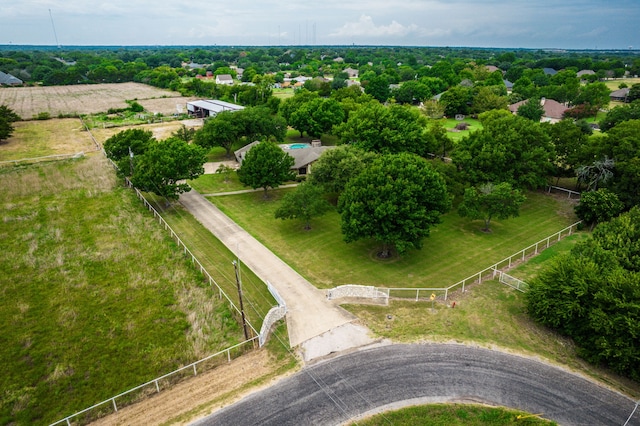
x: 347, y: 387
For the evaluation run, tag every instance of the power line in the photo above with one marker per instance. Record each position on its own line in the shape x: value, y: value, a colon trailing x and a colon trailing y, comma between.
x: 54, y: 29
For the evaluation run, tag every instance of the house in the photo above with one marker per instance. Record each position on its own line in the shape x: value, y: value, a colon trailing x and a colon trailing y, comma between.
x: 9, y: 80
x: 224, y: 79
x: 492, y: 68
x: 351, y: 72
x: 549, y: 71
x: 338, y: 59
x: 620, y: 95
x: 304, y: 155
x: 210, y: 108
x: 585, y: 72
x: 553, y: 110
x: 508, y: 85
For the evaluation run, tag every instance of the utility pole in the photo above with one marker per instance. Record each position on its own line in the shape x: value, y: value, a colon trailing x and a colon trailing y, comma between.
x: 244, y: 321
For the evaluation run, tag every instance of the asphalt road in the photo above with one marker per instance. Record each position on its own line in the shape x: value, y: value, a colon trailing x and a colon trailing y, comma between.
x: 344, y: 388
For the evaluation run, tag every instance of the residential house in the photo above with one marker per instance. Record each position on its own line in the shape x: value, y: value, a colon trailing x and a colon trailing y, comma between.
x: 224, y: 79
x: 620, y: 95
x: 508, y: 85
x: 210, y: 108
x: 351, y: 72
x: 492, y: 68
x: 582, y: 73
x: 9, y: 80
x: 303, y: 157
x: 553, y: 110
x: 549, y: 71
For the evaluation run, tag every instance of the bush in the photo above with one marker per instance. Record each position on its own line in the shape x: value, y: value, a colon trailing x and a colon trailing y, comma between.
x: 42, y: 116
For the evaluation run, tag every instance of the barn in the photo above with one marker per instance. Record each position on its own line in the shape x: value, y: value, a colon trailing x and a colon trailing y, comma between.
x: 210, y: 108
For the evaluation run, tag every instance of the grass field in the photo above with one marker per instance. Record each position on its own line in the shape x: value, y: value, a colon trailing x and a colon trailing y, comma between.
x: 28, y: 102
x: 451, y: 123
x: 96, y: 297
x: 41, y: 138
x: 615, y: 84
x: 215, y: 183
x: 456, y: 249
x: 452, y: 415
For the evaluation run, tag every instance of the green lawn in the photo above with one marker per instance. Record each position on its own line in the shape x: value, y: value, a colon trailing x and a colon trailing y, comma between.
x: 453, y: 415
x: 456, y: 249
x: 96, y: 297
x: 215, y: 183
x: 451, y: 123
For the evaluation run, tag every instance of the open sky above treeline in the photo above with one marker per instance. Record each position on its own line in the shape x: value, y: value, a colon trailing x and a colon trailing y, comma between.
x: 569, y: 24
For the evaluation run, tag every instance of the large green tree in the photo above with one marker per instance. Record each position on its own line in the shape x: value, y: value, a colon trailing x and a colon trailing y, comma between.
x: 491, y: 200
x: 598, y: 206
x: 396, y: 200
x: 508, y: 149
x: 531, y: 109
x: 317, y: 116
x: 124, y: 147
x: 266, y: 166
x: 305, y: 203
x: 336, y: 167
x: 592, y: 294
x: 393, y: 129
x: 164, y: 165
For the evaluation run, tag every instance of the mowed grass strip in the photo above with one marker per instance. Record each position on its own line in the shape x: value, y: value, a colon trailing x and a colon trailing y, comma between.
x: 456, y: 248
x: 218, y: 261
x: 453, y: 415
x: 96, y: 299
x: 42, y: 138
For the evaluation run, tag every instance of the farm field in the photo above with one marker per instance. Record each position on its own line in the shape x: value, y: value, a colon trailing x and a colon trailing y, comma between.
x: 438, y: 264
x: 160, y: 130
x: 97, y: 297
x: 47, y: 137
x: 28, y: 102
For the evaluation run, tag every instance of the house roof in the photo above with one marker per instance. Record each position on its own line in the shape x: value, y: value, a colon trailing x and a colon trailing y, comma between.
x: 214, y: 105
x: 508, y: 84
x: 552, y: 109
x: 620, y: 93
x: 8, y: 79
x: 302, y: 157
x: 549, y: 71
x: 492, y: 68
x: 224, y: 77
x: 585, y: 72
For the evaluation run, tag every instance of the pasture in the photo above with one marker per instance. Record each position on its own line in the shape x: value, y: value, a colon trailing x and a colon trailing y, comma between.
x: 97, y: 297
x: 28, y: 102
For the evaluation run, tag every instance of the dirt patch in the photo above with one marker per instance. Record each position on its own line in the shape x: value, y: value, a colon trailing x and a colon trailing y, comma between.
x: 201, y: 395
x: 87, y: 98
x: 160, y: 130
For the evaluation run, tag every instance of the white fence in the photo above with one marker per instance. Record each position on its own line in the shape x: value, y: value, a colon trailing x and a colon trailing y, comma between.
x: 274, y: 315
x: 513, y: 282
x: 570, y: 193
x: 153, y: 384
x: 351, y: 290
x: 39, y: 159
x: 487, y: 273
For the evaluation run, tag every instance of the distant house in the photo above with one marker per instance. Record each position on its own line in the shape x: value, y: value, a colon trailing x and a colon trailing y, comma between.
x: 210, y: 108
x: 549, y: 71
x: 9, y: 80
x: 303, y: 157
x: 553, y: 110
x: 466, y: 83
x: 619, y: 95
x: 351, y: 72
x: 338, y: 59
x: 582, y: 73
x: 492, y: 68
x: 508, y: 85
x: 224, y: 79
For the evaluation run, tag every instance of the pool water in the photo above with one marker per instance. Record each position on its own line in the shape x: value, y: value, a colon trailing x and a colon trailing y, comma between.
x: 299, y: 146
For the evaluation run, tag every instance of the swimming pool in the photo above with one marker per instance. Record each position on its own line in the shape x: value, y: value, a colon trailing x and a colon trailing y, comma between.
x: 299, y: 146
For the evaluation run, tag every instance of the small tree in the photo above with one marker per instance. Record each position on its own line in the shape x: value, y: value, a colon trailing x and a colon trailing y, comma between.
x: 266, y: 166
x: 532, y: 109
x: 185, y: 133
x: 7, y: 117
x: 598, y: 206
x: 305, y: 203
x: 225, y: 171
x: 489, y: 200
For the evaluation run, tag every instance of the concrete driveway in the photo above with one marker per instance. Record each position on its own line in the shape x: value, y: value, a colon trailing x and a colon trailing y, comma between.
x: 315, y: 324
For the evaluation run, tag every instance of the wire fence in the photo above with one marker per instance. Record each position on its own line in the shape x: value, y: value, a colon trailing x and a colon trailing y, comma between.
x: 570, y: 194
x: 56, y: 157
x: 428, y: 294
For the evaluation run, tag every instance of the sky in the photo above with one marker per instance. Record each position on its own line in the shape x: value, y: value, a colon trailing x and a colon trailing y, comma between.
x: 562, y: 24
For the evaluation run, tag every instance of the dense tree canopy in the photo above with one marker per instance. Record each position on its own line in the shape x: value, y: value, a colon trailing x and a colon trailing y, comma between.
x: 395, y: 200
x: 124, y: 147
x: 266, y: 166
x: 598, y: 206
x: 336, y: 167
x: 508, y: 149
x: 317, y: 116
x: 592, y: 294
x: 394, y: 129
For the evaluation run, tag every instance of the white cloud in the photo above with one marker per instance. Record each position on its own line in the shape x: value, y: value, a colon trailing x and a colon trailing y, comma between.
x: 365, y: 27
